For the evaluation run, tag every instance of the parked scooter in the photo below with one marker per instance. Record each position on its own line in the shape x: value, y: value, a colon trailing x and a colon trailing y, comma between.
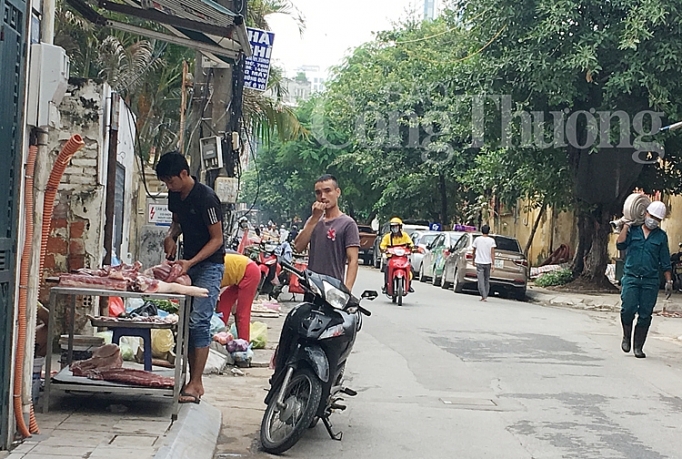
x: 265, y: 257
x: 399, y: 270
x: 316, y: 340
x: 676, y: 262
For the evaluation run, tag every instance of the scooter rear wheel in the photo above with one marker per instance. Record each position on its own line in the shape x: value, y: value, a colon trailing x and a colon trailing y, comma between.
x: 283, y: 427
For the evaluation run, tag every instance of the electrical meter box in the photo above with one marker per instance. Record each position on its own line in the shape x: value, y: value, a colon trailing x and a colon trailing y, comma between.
x: 48, y: 82
x: 212, y: 152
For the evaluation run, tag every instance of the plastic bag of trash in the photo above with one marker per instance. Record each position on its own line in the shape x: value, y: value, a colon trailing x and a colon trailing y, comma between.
x: 259, y: 335
x: 237, y: 345
x: 243, y: 359
x: 217, y: 324
x: 162, y: 342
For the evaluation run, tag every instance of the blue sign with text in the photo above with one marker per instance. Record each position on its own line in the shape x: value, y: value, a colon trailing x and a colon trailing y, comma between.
x: 257, y: 67
x: 436, y: 226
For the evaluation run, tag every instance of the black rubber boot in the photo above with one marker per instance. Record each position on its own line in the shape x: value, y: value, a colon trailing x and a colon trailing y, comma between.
x: 639, y: 339
x: 625, y: 345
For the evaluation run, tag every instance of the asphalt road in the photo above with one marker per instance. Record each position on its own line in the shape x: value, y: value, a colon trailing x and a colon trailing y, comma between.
x: 446, y: 376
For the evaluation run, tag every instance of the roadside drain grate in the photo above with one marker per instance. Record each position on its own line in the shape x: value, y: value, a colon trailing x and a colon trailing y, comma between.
x: 458, y: 402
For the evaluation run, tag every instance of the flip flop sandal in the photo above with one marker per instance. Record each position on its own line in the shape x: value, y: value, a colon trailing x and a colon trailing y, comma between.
x: 194, y: 399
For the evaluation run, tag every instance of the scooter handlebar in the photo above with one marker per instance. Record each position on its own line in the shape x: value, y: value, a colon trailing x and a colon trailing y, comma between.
x: 364, y: 311
x: 287, y: 267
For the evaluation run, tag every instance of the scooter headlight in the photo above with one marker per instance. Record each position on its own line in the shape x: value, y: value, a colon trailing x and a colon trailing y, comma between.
x: 335, y: 297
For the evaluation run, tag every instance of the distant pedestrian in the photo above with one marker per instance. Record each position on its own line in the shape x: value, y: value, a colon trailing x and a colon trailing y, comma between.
x: 484, y: 258
x: 647, y: 255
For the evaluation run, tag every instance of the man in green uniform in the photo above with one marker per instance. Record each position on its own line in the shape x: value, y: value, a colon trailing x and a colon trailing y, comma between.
x: 647, y: 254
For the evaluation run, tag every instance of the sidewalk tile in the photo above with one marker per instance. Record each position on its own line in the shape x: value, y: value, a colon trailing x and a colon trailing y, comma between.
x: 50, y: 451
x: 110, y: 452
x: 133, y: 441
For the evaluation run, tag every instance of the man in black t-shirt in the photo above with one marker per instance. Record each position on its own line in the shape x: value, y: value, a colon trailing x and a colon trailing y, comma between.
x: 197, y: 215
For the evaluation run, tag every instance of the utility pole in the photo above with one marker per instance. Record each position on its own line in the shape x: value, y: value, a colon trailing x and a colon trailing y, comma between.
x: 217, y: 105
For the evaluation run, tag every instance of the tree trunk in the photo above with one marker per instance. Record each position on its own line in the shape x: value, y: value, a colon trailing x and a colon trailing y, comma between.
x: 443, y: 201
x: 583, y: 245
x: 535, y: 228
x: 592, y: 255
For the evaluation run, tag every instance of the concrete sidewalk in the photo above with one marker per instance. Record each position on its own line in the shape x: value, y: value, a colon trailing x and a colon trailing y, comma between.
x: 105, y: 426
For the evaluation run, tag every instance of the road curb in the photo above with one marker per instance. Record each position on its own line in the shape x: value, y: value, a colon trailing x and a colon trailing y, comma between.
x: 194, y: 434
x: 588, y: 304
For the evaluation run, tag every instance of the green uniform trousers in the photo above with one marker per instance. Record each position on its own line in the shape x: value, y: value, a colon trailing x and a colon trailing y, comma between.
x: 638, y: 296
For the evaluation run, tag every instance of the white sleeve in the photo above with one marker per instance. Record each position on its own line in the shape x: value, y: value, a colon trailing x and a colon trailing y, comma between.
x: 494, y: 243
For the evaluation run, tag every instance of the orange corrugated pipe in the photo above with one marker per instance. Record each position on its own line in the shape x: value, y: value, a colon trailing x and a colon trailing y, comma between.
x: 74, y: 144
x: 23, y: 292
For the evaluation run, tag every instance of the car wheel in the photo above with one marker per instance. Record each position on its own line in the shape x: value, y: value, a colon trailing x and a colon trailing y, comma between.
x: 520, y: 294
x: 435, y: 280
x: 422, y: 277
x: 444, y: 284
x: 459, y: 287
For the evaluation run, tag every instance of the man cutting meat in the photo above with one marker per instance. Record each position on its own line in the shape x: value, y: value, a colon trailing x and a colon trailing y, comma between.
x: 198, y: 217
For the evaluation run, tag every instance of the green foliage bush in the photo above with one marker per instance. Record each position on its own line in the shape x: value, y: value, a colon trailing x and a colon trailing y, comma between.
x: 561, y: 277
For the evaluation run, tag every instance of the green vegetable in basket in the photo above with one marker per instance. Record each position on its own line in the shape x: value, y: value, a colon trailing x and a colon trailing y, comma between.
x: 165, y: 305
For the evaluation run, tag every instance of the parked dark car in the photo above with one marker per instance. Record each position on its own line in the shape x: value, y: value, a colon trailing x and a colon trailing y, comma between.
x: 367, y: 237
x: 509, y: 276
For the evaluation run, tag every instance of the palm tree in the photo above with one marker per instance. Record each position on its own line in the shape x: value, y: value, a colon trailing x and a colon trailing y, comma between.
x: 264, y: 113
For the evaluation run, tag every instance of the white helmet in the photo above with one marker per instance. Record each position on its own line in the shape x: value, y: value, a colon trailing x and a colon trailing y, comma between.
x: 657, y: 209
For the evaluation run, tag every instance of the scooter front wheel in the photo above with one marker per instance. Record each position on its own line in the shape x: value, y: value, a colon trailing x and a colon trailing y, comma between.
x: 283, y: 426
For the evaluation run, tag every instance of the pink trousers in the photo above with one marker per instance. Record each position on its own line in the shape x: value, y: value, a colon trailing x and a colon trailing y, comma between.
x: 243, y: 294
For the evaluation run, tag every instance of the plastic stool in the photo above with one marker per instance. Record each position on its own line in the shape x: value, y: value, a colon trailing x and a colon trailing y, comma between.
x: 145, y: 334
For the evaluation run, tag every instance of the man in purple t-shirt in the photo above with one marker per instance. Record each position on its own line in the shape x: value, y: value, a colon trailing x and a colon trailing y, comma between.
x: 333, y: 236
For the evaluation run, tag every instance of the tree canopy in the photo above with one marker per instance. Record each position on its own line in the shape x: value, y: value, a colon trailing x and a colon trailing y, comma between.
x: 555, y: 103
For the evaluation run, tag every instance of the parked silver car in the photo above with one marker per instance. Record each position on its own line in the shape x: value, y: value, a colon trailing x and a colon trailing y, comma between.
x: 421, y: 240
x: 434, y: 261
x: 511, y: 267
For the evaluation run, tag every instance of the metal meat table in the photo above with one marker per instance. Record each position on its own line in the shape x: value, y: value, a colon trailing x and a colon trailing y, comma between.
x: 82, y: 384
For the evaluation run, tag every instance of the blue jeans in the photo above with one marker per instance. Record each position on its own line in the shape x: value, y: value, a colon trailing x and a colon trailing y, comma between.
x: 209, y: 276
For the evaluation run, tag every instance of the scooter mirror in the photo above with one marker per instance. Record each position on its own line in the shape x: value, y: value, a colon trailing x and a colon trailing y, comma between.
x: 369, y: 294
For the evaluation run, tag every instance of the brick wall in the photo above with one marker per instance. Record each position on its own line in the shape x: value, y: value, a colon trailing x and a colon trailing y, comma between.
x: 76, y: 236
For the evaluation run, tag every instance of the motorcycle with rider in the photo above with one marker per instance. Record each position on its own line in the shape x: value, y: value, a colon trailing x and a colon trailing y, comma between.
x: 397, y: 246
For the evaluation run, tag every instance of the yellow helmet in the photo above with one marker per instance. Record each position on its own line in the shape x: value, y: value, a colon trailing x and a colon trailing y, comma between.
x: 396, y: 221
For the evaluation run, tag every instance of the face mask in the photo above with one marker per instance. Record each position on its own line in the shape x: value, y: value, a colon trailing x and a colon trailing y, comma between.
x: 245, y: 225
x: 650, y: 223
x: 395, y: 229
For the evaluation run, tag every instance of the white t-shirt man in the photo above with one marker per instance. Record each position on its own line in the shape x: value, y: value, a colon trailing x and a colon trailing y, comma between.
x: 484, y: 246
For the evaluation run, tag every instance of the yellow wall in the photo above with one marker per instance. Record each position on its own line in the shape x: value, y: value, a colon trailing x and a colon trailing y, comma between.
x: 555, y: 228
x: 561, y: 228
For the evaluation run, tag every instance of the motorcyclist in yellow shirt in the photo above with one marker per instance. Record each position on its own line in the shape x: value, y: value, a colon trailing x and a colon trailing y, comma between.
x: 395, y: 237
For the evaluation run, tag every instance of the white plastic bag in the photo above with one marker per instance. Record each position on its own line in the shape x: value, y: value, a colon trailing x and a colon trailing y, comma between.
x: 129, y: 346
